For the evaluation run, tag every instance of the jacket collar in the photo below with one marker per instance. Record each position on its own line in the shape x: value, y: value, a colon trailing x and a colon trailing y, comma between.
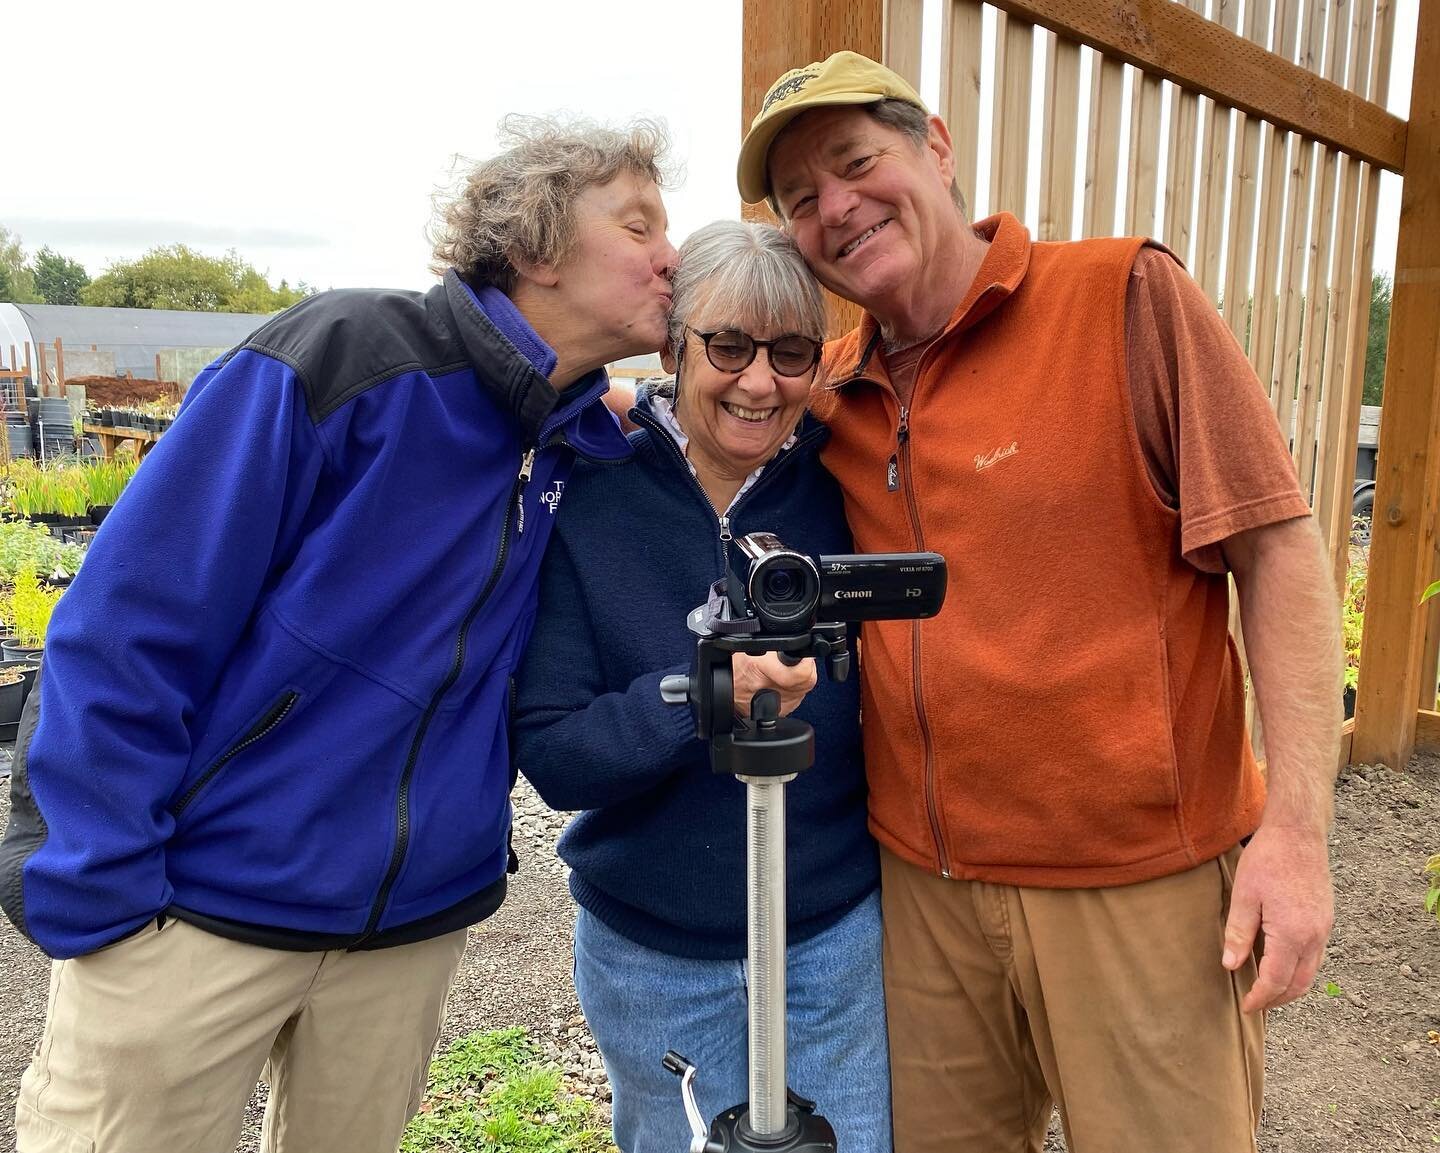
x: 516, y: 384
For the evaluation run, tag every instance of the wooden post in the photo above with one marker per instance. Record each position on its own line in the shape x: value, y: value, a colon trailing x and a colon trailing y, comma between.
x: 778, y: 35
x: 40, y: 375
x: 157, y: 367
x: 59, y: 366
x: 1408, y: 480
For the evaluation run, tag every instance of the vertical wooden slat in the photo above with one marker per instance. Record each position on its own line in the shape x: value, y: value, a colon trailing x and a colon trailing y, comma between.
x: 1210, y: 212
x: 1144, y: 154
x: 960, y: 34
x: 1180, y: 180
x: 904, y: 22
x: 1401, y: 550
x: 1367, y: 73
x: 1267, y: 251
x: 1014, y: 64
x: 1062, y: 122
x: 1103, y: 152
x: 1313, y: 450
x: 1287, y: 339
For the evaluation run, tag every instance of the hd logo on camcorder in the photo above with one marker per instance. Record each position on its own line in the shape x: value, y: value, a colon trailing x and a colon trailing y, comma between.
x: 551, y: 496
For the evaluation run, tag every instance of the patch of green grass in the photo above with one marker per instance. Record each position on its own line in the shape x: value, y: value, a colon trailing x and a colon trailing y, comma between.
x: 492, y: 1093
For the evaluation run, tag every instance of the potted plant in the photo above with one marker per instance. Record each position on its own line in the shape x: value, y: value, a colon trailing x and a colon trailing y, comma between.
x: 31, y: 605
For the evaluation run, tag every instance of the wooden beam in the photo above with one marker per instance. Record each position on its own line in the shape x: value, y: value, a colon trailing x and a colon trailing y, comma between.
x: 778, y: 35
x: 1408, y: 480
x: 1180, y: 45
x: 1347, y: 737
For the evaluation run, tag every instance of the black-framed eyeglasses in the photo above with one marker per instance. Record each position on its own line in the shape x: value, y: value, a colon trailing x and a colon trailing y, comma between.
x: 731, y: 350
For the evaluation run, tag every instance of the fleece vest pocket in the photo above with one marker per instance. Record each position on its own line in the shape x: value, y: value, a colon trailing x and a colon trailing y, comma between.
x: 270, y: 720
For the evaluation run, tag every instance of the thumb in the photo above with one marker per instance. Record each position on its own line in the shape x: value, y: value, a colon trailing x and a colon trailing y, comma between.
x: 1240, y: 927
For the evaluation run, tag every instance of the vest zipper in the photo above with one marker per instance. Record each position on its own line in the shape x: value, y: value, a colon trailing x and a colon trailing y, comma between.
x: 902, y: 434
x: 906, y: 480
x: 402, y: 802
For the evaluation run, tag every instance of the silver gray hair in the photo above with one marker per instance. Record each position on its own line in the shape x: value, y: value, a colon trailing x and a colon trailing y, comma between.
x: 739, y: 274
x: 520, y: 204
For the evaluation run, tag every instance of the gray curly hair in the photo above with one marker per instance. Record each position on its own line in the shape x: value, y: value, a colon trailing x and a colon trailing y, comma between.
x: 519, y: 205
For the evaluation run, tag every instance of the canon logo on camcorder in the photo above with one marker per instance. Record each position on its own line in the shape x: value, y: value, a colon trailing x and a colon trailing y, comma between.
x: 852, y: 594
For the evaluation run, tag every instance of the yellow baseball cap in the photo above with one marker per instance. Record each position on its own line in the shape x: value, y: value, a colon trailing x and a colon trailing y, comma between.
x: 844, y: 78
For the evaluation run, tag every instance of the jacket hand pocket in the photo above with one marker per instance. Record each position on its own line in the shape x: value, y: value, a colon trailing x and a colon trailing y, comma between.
x: 268, y: 722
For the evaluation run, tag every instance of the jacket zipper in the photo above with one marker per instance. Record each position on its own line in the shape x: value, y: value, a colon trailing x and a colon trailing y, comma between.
x: 903, y: 478
x: 259, y: 731
x: 402, y: 803
x: 723, y: 519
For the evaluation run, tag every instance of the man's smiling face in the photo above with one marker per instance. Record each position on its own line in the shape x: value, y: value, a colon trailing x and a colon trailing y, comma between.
x: 870, y: 212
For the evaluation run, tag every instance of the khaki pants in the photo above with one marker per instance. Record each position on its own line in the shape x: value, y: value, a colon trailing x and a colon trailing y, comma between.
x: 1111, y: 1003
x: 155, y: 1044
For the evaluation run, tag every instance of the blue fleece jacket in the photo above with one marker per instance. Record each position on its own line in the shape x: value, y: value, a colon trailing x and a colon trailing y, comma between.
x: 659, y: 852
x: 274, y: 701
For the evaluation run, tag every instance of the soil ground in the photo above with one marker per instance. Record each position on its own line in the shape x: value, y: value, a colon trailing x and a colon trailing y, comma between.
x: 1357, y: 1072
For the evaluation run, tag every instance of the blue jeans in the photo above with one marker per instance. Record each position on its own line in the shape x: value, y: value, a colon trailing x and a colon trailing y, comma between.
x: 640, y: 1002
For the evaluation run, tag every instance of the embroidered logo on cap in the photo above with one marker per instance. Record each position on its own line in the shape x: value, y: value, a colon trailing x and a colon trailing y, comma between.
x: 787, y: 87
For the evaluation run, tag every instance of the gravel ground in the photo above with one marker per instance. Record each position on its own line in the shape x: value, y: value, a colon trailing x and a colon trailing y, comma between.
x: 1345, y: 1074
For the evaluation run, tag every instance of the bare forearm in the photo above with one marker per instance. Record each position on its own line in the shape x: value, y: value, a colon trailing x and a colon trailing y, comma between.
x: 1290, y: 617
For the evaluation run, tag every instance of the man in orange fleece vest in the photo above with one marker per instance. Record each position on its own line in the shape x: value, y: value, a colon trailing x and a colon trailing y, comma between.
x: 1080, y: 856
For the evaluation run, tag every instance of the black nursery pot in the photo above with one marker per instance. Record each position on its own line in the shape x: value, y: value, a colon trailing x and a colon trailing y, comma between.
x: 29, y: 668
x: 98, y: 513
x: 12, y: 700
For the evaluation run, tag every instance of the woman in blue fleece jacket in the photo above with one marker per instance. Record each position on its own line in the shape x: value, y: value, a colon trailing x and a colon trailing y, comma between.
x: 658, y: 852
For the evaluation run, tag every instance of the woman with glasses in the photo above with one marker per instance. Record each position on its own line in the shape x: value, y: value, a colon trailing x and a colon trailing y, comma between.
x: 657, y: 853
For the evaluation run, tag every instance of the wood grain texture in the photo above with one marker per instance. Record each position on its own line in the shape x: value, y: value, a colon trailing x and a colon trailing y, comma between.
x: 1408, y: 472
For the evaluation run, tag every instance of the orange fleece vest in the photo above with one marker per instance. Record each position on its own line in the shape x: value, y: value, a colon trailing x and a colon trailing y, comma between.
x: 1074, y: 717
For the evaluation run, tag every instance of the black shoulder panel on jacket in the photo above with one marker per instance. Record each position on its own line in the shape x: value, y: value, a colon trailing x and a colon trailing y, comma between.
x: 343, y: 342
x: 26, y: 832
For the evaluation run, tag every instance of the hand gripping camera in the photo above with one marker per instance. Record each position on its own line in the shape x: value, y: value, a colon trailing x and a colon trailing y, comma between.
x: 774, y: 599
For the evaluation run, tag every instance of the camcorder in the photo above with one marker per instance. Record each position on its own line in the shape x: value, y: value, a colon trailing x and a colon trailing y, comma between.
x: 789, y: 592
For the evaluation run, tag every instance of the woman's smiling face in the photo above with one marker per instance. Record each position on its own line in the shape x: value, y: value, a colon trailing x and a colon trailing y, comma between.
x: 736, y: 421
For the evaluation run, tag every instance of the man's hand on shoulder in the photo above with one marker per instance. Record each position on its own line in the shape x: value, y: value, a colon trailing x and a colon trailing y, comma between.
x: 1282, y: 888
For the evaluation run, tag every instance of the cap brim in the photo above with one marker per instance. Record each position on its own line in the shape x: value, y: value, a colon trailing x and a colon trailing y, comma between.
x: 750, y: 169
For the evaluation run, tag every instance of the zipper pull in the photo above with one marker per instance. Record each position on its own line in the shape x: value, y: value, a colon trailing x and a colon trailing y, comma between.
x: 902, y: 434
x: 725, y: 537
x: 527, y: 466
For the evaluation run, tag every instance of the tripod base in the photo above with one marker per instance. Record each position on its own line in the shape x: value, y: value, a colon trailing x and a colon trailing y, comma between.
x: 805, y: 1132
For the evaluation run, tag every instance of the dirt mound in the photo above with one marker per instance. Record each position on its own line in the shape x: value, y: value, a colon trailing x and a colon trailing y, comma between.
x: 118, y: 391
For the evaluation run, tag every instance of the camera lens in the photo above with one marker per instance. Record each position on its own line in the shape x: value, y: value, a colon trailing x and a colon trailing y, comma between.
x: 779, y: 584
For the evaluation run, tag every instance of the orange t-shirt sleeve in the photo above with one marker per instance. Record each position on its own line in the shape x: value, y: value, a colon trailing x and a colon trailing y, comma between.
x: 1208, y: 435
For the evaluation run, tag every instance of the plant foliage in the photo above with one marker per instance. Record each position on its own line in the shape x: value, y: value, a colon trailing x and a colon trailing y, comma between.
x: 31, y: 605
x: 176, y: 276
x: 491, y: 1093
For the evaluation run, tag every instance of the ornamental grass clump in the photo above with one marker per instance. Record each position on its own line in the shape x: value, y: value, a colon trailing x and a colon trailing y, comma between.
x: 105, y: 480
x: 31, y: 605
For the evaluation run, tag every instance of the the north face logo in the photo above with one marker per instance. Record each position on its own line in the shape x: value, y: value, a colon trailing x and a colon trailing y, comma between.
x: 551, y: 496
x: 787, y: 87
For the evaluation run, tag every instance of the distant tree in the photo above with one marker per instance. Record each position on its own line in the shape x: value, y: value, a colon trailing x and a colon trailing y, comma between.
x: 17, y: 282
x: 1376, y: 342
x: 177, y: 276
x: 58, y: 278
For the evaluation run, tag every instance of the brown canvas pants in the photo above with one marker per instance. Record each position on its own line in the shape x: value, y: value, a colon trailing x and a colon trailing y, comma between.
x: 155, y: 1044
x: 1111, y: 1003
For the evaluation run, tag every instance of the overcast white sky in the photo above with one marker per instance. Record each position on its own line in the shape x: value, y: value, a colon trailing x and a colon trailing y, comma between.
x: 310, y: 137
